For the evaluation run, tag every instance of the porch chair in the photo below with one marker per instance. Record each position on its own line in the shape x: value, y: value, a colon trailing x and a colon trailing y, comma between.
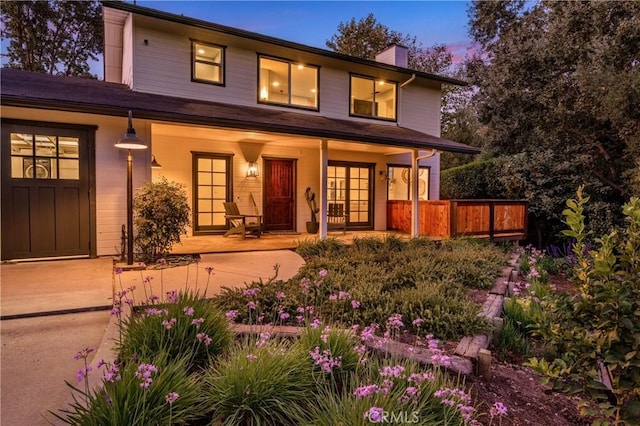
x: 242, y: 223
x: 337, y: 218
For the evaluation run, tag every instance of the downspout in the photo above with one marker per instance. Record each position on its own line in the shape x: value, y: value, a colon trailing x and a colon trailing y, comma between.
x: 413, y: 77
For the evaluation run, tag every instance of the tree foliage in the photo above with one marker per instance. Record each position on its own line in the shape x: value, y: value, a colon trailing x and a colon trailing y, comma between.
x: 558, y: 85
x: 53, y: 37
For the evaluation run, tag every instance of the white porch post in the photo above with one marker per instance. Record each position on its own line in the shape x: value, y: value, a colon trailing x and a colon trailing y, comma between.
x: 324, y: 163
x: 415, y: 197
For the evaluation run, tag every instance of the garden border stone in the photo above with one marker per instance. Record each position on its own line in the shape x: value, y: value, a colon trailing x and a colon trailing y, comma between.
x: 470, y: 347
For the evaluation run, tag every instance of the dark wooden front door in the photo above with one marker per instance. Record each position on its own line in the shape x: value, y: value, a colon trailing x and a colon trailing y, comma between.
x: 279, y: 194
x: 45, y: 192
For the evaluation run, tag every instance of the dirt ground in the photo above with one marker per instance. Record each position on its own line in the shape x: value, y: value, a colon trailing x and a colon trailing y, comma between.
x: 519, y: 388
x: 528, y: 402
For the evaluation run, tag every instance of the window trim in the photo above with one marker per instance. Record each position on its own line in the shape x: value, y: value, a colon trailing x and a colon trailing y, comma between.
x: 221, y: 65
x: 373, y: 79
x: 289, y: 62
x: 195, y: 155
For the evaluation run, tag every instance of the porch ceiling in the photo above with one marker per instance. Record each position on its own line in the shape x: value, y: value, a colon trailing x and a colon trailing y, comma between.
x: 274, y: 139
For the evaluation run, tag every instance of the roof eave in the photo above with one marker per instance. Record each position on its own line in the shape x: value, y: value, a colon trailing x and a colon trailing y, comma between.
x: 226, y: 123
x: 158, y: 14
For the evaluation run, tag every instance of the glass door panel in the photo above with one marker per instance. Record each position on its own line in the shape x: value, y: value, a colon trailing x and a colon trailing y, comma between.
x: 350, y: 186
x: 212, y: 180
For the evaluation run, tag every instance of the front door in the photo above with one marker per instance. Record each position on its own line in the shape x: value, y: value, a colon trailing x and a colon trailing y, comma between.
x: 279, y: 194
x: 45, y: 191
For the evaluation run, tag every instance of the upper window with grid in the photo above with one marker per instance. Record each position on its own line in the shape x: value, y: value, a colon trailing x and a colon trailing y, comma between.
x: 288, y: 83
x: 208, y: 63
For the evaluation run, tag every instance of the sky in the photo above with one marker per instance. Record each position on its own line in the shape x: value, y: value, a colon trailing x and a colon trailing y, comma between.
x: 314, y: 22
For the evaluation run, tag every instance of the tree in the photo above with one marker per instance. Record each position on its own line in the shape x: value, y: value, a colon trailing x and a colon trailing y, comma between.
x: 367, y: 37
x: 53, y: 37
x: 558, y: 85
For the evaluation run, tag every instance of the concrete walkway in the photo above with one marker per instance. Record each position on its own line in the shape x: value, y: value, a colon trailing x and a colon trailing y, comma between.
x: 38, y: 342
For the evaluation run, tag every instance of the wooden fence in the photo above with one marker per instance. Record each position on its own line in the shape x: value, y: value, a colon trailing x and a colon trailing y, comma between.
x: 492, y: 219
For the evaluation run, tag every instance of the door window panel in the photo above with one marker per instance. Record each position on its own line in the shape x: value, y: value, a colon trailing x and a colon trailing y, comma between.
x: 350, y: 186
x: 213, y: 180
x: 44, y: 157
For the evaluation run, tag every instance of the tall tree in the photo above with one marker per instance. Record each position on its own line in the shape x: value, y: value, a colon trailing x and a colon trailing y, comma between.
x: 54, y: 37
x: 558, y: 84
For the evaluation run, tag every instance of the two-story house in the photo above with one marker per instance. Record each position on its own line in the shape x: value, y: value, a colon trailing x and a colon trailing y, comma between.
x: 232, y: 115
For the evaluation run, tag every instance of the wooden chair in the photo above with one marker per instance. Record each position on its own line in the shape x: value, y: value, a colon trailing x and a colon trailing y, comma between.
x: 336, y: 218
x: 240, y: 223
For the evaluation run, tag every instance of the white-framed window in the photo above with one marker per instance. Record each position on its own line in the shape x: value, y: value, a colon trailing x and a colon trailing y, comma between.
x: 285, y: 82
x: 207, y: 63
x: 370, y: 97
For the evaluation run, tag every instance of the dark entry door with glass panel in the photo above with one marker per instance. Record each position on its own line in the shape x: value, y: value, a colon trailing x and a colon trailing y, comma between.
x: 46, y: 192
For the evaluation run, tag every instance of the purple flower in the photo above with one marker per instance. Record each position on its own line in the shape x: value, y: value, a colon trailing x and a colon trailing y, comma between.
x: 112, y: 373
x: 251, y: 357
x: 115, y: 312
x: 325, y: 334
x: 251, y: 292
x: 322, y: 273
x: 169, y: 324
x: 333, y: 297
x: 395, y: 321
x: 83, y: 372
x: 209, y: 269
x: 395, y: 371
x: 252, y: 304
x: 231, y: 315
x: 202, y: 337
x: 284, y: 316
x: 299, y: 318
x: 355, y: 304
x: 144, y: 374
x: 172, y: 296
x: 83, y: 354
x: 147, y: 279
x: 171, y: 397
x: 304, y: 283
x: 343, y: 295
x: 280, y: 295
x: 188, y: 310
x: 498, y: 409
x: 118, y: 271
x: 263, y: 339
x: 197, y: 322
x: 365, y: 391
x: 417, y: 322
x: 162, y: 261
x: 375, y: 415
x: 315, y: 323
x: 325, y: 360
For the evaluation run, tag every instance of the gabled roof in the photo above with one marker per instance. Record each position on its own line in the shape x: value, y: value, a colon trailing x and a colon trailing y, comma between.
x: 180, y: 19
x: 37, y: 90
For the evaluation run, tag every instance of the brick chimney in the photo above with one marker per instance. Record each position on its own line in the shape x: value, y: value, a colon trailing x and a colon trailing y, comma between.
x: 394, y: 54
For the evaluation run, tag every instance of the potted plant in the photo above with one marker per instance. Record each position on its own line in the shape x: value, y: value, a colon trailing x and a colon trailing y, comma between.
x: 313, y: 226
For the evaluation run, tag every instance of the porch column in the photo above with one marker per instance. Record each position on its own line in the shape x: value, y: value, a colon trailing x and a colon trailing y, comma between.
x: 415, y: 197
x: 324, y: 163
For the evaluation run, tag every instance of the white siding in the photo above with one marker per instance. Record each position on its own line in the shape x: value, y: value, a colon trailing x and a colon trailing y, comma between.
x: 420, y: 109
x: 113, y: 38
x: 127, y: 52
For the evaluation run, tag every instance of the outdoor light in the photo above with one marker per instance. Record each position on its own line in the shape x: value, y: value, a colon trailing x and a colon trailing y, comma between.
x: 154, y: 163
x: 252, y: 169
x: 130, y: 141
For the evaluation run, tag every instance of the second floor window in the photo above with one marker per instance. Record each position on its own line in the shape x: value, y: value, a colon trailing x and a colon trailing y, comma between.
x: 373, y: 98
x: 287, y: 83
x: 208, y: 63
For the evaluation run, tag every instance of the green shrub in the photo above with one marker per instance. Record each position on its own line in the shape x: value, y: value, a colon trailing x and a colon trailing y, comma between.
x: 475, y: 180
x: 597, y: 331
x: 341, y: 345
x: 268, y: 385
x: 512, y: 340
x: 180, y: 329
x: 123, y: 401
x: 162, y: 215
x: 323, y: 247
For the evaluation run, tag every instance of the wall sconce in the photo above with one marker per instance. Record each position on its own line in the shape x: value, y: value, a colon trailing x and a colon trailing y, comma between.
x: 154, y: 163
x: 384, y: 175
x: 252, y: 169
